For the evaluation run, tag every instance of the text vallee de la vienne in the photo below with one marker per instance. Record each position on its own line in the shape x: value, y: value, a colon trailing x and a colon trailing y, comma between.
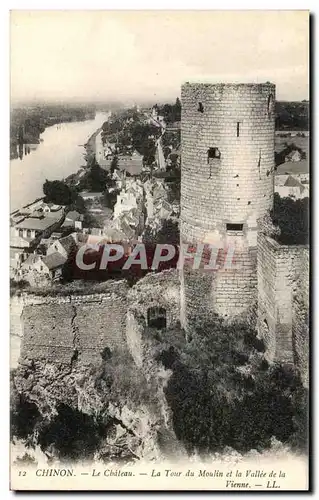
x: 233, y: 478
x: 136, y: 257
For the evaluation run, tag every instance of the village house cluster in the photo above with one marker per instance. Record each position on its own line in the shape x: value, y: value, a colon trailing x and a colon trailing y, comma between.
x: 43, y: 235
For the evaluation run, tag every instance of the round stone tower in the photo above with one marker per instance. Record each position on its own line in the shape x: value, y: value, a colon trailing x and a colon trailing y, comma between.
x: 227, y: 183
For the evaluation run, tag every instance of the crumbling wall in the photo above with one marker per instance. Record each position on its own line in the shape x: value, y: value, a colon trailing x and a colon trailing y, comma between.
x: 300, y: 314
x: 74, y: 327
x: 283, y: 300
x: 155, y: 290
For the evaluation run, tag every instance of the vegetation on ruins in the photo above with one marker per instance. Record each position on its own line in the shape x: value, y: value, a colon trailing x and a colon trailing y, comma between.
x: 55, y: 422
x: 222, y: 392
x: 168, y: 233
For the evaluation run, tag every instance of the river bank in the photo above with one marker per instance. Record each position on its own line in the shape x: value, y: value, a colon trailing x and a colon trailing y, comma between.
x: 27, y: 123
x: 90, y: 146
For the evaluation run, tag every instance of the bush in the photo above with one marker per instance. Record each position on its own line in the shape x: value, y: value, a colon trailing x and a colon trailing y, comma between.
x: 223, y: 393
x: 59, y: 192
x: 292, y: 217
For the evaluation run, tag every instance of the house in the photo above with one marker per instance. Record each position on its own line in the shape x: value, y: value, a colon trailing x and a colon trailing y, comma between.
x: 73, y: 219
x: 124, y: 203
x: 54, y: 214
x: 54, y: 263
x: 293, y: 167
x: 294, y: 155
x: 64, y: 246
x: 48, y: 241
x: 28, y: 232
x: 292, y: 188
x: 50, y: 207
x: 34, y: 263
x: 17, y: 256
x: 125, y: 230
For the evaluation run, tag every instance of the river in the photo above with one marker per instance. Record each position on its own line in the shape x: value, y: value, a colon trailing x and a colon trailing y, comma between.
x: 59, y: 154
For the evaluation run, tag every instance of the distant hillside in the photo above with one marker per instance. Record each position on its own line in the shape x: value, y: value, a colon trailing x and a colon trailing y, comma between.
x: 27, y: 122
x: 292, y: 115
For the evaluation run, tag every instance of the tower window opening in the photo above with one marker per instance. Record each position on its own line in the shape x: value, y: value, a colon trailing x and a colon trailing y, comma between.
x: 234, y: 227
x: 213, y: 153
x: 238, y: 128
x: 156, y: 317
x: 200, y: 107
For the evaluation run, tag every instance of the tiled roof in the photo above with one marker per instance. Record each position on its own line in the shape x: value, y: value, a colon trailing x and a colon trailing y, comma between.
x: 293, y: 167
x: 87, y: 194
x: 31, y: 259
x: 54, y: 260
x: 292, y: 182
x: 68, y: 243
x: 73, y: 216
x: 37, y: 224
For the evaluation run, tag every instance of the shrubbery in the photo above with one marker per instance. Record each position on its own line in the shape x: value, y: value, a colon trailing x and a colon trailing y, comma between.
x: 292, y: 217
x: 223, y: 393
x: 59, y: 192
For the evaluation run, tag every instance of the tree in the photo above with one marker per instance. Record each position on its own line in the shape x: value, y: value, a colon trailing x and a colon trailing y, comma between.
x: 59, y: 192
x: 97, y: 179
x: 178, y: 110
x: 292, y: 217
x: 114, y: 164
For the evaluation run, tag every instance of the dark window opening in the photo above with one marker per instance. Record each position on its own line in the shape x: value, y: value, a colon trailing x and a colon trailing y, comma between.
x: 200, y: 107
x: 238, y: 128
x: 234, y: 227
x: 213, y: 153
x: 156, y: 317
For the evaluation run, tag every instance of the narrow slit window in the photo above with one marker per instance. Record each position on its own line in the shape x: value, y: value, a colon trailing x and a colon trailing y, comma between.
x: 200, y: 107
x: 238, y: 129
x: 234, y: 227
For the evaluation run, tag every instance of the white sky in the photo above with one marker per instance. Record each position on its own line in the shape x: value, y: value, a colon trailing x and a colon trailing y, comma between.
x: 147, y: 55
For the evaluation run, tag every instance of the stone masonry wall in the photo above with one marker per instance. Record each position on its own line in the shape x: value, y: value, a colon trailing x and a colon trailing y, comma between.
x: 283, y: 300
x: 57, y: 328
x: 236, y: 188
x: 300, y: 315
